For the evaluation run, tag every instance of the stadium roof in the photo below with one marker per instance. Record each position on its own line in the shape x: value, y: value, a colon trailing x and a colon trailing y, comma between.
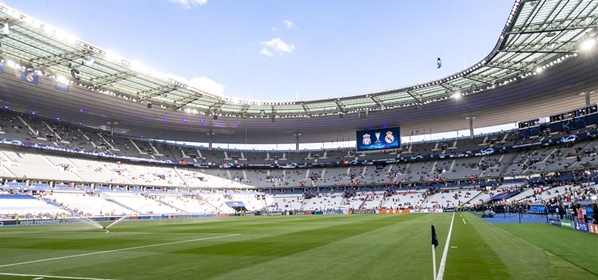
x: 536, y: 68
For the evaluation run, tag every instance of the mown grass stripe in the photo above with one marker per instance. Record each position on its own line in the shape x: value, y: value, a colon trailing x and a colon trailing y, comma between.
x: 40, y: 276
x: 117, y: 250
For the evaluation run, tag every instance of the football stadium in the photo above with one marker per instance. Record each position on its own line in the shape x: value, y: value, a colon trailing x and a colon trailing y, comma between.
x: 112, y: 170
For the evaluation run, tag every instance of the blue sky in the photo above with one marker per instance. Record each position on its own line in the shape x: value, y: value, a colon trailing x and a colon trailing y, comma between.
x: 285, y: 50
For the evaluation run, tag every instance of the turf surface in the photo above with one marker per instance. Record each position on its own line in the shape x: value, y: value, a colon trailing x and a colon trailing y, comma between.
x: 298, y: 247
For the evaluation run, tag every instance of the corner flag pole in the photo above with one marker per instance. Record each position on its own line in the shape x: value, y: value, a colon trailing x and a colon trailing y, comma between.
x: 434, y: 244
x: 434, y: 260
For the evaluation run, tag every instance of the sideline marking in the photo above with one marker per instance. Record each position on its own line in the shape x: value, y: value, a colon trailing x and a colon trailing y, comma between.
x: 446, y: 247
x: 51, y: 276
x: 118, y: 250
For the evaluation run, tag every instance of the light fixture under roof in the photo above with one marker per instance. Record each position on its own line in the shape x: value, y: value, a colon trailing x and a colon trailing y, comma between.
x: 588, y: 44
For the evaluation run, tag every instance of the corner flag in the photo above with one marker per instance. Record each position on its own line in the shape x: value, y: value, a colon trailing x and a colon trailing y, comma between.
x: 434, y: 245
x: 434, y: 237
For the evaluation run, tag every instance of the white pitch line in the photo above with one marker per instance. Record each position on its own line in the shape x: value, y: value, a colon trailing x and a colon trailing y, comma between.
x: 445, y: 253
x: 463, y: 221
x: 51, y: 276
x: 118, y: 250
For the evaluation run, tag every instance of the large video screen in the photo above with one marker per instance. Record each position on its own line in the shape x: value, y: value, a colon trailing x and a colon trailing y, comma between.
x: 378, y: 139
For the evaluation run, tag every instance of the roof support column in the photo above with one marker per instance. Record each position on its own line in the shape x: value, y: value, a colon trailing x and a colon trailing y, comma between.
x: 210, y: 134
x: 470, y: 118
x: 297, y: 141
x: 112, y: 124
x: 587, y: 96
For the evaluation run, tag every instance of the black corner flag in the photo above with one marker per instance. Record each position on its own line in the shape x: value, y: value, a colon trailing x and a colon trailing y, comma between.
x: 434, y: 237
x: 434, y: 245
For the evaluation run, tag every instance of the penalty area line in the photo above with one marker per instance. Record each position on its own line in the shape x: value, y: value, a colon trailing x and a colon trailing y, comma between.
x: 39, y: 276
x: 119, y: 250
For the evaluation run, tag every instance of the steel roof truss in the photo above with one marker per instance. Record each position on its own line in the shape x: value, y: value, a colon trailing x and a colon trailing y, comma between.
x: 186, y: 100
x: 378, y: 102
x: 98, y: 82
x: 340, y: 105
x: 155, y: 92
x: 415, y: 96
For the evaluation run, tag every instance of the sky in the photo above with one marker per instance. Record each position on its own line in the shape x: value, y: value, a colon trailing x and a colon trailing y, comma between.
x: 283, y: 50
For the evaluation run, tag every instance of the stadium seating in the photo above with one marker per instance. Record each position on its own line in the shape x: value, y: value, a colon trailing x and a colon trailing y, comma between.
x: 79, y: 182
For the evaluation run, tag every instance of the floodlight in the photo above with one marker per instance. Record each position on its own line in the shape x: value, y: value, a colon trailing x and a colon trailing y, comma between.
x: 588, y: 44
x: 62, y: 80
x: 539, y: 69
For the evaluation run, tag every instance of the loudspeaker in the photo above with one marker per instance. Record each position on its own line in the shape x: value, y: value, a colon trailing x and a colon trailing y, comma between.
x: 75, y: 73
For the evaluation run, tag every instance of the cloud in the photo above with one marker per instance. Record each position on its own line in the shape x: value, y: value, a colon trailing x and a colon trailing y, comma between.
x: 289, y: 24
x: 266, y: 52
x: 208, y: 85
x: 187, y: 4
x: 202, y: 83
x: 278, y: 45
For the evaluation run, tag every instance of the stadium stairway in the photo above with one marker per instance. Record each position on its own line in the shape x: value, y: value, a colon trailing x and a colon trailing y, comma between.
x: 365, y: 199
x: 171, y: 154
x: 476, y: 199
x: 122, y: 205
x: 507, y: 164
x: 304, y: 203
x: 87, y: 138
x: 172, y: 206
x: 33, y: 132
x: 57, y: 137
x: 56, y: 204
x: 137, y: 147
x: 156, y: 151
x: 184, y: 178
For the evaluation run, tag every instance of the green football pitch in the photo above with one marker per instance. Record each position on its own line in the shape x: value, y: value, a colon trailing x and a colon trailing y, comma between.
x: 371, y: 246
